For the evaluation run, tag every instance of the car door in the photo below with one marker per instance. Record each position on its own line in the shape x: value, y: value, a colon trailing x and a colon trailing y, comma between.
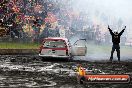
x: 79, y: 48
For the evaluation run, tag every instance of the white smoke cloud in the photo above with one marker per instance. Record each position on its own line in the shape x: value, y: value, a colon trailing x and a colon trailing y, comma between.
x: 116, y: 8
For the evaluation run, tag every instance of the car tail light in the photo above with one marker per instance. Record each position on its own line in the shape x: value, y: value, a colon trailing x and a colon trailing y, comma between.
x: 41, y: 47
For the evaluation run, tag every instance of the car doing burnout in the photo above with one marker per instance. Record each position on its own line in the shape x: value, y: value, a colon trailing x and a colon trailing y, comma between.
x: 57, y: 47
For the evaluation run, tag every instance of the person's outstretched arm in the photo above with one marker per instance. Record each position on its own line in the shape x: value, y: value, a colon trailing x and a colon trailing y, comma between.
x: 110, y: 30
x: 122, y: 31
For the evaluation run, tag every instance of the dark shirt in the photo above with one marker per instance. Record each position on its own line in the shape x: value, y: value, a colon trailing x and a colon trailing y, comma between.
x: 116, y: 37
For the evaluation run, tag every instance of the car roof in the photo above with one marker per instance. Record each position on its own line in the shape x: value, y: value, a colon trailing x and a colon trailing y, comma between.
x: 56, y: 38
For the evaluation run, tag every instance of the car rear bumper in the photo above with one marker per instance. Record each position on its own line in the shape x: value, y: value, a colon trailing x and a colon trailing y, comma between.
x: 53, y: 56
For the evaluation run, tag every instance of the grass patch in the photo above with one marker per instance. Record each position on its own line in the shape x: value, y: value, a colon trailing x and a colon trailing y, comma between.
x: 10, y: 45
x: 91, y: 48
x: 94, y: 49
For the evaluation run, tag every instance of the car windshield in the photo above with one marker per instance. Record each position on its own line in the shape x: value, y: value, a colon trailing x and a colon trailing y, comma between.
x: 54, y: 44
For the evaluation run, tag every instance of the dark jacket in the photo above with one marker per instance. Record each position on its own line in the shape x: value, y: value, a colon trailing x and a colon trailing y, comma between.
x: 116, y: 38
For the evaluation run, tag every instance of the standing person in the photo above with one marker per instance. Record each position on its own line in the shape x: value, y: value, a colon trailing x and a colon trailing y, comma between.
x: 116, y: 40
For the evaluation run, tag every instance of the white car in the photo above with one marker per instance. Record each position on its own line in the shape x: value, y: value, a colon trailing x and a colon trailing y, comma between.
x: 57, y: 47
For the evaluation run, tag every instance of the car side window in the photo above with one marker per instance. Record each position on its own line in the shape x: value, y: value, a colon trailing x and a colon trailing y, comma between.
x: 46, y: 44
x: 80, y: 43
